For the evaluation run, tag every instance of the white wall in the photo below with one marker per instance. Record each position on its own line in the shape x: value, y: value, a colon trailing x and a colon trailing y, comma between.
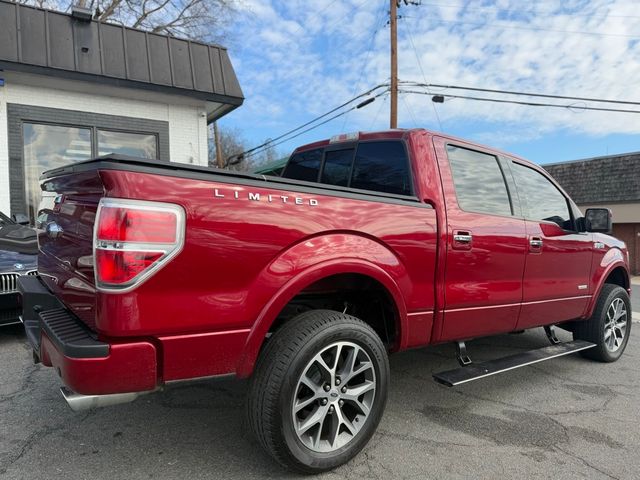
x: 186, y: 117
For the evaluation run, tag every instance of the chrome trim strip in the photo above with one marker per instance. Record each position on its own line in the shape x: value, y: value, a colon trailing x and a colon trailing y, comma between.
x: 221, y: 376
x: 504, y: 305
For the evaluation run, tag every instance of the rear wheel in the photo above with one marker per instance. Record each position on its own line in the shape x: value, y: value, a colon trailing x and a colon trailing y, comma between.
x: 609, y: 327
x: 319, y: 391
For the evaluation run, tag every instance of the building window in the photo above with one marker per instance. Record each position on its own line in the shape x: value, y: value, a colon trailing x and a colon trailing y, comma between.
x: 126, y: 143
x: 50, y: 146
x: 42, y: 138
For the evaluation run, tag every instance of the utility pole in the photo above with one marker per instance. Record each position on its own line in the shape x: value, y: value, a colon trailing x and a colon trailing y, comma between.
x: 393, y: 21
x: 216, y: 140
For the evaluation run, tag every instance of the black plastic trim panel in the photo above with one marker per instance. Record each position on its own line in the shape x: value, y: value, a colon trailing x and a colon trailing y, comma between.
x: 42, y: 311
x: 172, y: 169
x: 70, y: 336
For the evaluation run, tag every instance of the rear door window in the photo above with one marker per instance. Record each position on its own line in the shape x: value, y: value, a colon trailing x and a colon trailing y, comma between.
x: 304, y: 166
x: 479, y: 181
x: 382, y: 167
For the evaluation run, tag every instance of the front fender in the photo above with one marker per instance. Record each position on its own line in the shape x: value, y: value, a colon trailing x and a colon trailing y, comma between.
x: 614, y: 258
x: 311, y: 260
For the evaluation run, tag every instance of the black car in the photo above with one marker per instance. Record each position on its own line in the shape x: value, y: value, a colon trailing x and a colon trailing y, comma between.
x: 18, y: 256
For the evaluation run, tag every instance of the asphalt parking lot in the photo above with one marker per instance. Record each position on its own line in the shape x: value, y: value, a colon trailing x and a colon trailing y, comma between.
x: 566, y: 418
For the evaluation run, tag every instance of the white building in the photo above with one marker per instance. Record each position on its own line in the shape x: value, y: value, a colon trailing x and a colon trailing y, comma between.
x: 73, y: 88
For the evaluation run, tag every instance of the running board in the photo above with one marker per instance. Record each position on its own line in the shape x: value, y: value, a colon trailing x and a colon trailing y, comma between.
x: 476, y: 371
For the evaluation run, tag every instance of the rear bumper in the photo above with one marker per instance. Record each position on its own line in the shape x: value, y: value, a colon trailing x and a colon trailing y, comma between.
x: 86, y: 364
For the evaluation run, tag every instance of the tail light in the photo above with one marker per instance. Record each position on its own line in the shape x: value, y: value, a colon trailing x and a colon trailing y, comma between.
x: 133, y: 240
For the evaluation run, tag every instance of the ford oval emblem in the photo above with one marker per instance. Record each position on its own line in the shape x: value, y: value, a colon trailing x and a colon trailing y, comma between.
x: 18, y: 266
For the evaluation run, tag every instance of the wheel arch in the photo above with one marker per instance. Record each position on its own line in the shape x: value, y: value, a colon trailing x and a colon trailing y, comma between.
x: 615, y: 272
x: 304, y: 279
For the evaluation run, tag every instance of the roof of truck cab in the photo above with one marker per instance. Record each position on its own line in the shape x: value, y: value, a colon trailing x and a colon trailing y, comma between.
x: 402, y: 133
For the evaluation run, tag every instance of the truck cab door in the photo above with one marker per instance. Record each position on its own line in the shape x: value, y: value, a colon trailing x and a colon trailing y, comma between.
x: 556, y: 284
x: 486, y: 242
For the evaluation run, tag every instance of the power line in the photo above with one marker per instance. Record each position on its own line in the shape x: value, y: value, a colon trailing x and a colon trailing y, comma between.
x: 514, y: 92
x: 378, y: 23
x: 375, y: 118
x: 406, y: 104
x: 529, y: 104
x: 424, y: 77
x: 285, y: 137
x: 311, y: 128
x: 271, y: 141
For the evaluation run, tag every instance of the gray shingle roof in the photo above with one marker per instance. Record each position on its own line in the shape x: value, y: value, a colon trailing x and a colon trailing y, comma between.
x: 612, y: 179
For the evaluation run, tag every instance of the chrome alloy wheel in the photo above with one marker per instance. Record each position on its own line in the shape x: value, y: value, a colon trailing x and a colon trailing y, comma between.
x: 615, y: 326
x: 333, y: 397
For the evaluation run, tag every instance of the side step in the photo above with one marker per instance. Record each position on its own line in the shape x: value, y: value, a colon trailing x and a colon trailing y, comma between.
x: 476, y: 371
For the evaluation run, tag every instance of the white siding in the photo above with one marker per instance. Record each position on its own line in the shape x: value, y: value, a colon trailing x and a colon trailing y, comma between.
x: 187, y: 122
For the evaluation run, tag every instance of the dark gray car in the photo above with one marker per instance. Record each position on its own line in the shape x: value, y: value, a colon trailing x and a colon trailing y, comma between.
x: 18, y: 256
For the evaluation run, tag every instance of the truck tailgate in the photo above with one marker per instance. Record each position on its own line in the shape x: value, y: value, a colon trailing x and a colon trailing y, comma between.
x: 65, y: 235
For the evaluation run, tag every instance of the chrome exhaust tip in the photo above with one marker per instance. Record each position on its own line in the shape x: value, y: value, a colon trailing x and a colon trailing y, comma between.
x: 80, y: 403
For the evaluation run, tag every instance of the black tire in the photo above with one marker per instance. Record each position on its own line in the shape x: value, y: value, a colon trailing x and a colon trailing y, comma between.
x: 593, y: 330
x: 275, y: 383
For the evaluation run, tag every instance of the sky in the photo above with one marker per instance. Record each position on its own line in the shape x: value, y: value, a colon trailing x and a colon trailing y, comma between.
x: 297, y: 59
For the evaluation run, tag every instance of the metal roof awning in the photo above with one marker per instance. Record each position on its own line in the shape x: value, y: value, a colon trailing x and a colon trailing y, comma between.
x: 47, y: 42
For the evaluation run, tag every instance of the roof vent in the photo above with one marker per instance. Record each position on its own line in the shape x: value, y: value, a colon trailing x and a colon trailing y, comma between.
x: 81, y: 13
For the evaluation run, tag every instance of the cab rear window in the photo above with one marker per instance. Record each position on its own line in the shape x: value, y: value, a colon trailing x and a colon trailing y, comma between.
x: 304, y: 166
x: 377, y: 166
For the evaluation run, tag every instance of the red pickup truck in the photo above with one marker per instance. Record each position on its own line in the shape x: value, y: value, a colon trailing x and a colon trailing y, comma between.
x: 371, y: 243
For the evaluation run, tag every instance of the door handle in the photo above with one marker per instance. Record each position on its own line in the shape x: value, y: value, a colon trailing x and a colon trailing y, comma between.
x: 535, y: 245
x: 463, y: 238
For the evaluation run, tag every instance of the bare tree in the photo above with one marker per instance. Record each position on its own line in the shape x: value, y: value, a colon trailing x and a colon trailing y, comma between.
x: 204, y: 20
x: 232, y: 144
x: 270, y: 154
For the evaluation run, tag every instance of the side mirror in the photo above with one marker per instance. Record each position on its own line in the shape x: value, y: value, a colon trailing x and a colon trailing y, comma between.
x: 598, y: 220
x: 20, y: 218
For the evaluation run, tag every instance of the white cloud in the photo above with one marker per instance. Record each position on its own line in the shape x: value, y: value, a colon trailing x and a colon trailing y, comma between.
x: 300, y: 58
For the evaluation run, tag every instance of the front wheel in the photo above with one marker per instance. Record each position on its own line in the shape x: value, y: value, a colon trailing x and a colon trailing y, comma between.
x: 609, y: 326
x: 319, y: 390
